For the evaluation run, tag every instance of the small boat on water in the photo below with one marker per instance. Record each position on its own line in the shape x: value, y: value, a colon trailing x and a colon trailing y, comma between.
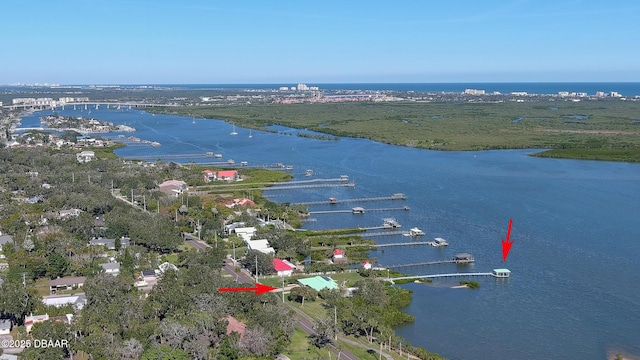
x: 414, y: 232
x: 234, y: 131
x: 333, y: 200
x: 308, y: 173
x: 439, y: 242
x: 217, y: 156
x: 390, y: 223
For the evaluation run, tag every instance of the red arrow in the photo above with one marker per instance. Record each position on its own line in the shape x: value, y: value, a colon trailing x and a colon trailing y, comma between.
x: 506, y: 245
x: 259, y: 289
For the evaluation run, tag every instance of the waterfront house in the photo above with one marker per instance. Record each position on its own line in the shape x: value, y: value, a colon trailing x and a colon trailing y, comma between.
x: 339, y: 257
x: 283, y: 267
x: 366, y: 265
x: 208, y: 175
x: 319, y: 283
x: 227, y: 175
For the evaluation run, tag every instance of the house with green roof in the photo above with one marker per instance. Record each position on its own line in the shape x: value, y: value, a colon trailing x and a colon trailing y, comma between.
x: 319, y: 283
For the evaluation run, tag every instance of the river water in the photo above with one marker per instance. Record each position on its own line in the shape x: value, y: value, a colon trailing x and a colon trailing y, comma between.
x: 573, y: 290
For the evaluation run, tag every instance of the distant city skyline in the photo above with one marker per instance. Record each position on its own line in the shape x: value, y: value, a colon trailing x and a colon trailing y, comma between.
x: 289, y: 42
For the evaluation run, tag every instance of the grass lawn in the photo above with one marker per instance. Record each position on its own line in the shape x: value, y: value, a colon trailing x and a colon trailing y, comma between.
x: 300, y: 348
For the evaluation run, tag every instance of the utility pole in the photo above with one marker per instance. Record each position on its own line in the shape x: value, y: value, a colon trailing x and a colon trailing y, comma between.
x: 380, y: 352
x: 144, y: 201
x: 131, y: 196
x: 256, y: 268
x: 73, y: 177
x: 283, y: 288
x: 335, y: 321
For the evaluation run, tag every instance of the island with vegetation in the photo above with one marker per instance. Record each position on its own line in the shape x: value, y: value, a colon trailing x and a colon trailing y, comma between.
x: 608, y: 130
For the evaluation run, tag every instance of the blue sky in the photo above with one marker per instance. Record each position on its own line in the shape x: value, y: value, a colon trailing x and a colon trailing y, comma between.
x: 213, y: 42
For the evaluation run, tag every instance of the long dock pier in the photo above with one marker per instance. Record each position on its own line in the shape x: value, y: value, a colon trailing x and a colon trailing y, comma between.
x: 431, y: 263
x: 175, y: 156
x: 402, y: 243
x: 239, y: 187
x: 352, y: 211
x: 337, y: 201
x: 435, y: 276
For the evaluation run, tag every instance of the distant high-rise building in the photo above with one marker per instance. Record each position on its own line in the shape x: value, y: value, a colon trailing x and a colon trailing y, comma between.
x: 473, y: 92
x: 303, y: 87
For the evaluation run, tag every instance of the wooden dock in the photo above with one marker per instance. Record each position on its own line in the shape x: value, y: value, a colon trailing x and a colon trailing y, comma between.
x: 162, y: 157
x: 431, y: 263
x: 435, y: 276
x: 337, y: 201
x: 406, y: 208
x: 404, y: 244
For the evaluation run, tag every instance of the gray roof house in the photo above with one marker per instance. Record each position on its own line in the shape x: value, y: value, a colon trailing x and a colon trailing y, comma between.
x: 5, y: 327
x: 110, y: 243
x: 5, y: 239
x: 66, y: 283
x: 111, y: 268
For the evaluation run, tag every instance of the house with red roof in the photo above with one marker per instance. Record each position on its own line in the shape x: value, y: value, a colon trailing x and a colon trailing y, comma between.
x: 366, y: 265
x: 339, y: 257
x: 227, y: 175
x: 283, y: 267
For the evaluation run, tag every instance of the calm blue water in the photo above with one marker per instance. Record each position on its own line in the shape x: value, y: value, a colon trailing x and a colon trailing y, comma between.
x: 573, y: 293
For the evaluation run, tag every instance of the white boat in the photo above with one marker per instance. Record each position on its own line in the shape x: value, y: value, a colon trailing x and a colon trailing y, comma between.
x: 415, y: 232
x: 250, y: 134
x: 217, y: 156
x: 438, y: 242
x: 390, y: 223
x: 234, y: 131
x: 308, y: 173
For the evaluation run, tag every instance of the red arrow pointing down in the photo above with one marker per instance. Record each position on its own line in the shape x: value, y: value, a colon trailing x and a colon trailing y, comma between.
x: 506, y: 245
x: 259, y: 289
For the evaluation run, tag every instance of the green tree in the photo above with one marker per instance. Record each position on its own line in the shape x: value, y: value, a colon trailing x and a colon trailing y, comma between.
x: 54, y: 331
x: 57, y: 266
x: 17, y: 301
x: 165, y: 352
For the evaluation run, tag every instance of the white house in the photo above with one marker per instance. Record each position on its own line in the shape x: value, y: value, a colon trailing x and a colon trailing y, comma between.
x: 261, y: 245
x: 245, y: 232
x: 77, y: 300
x: 85, y: 156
